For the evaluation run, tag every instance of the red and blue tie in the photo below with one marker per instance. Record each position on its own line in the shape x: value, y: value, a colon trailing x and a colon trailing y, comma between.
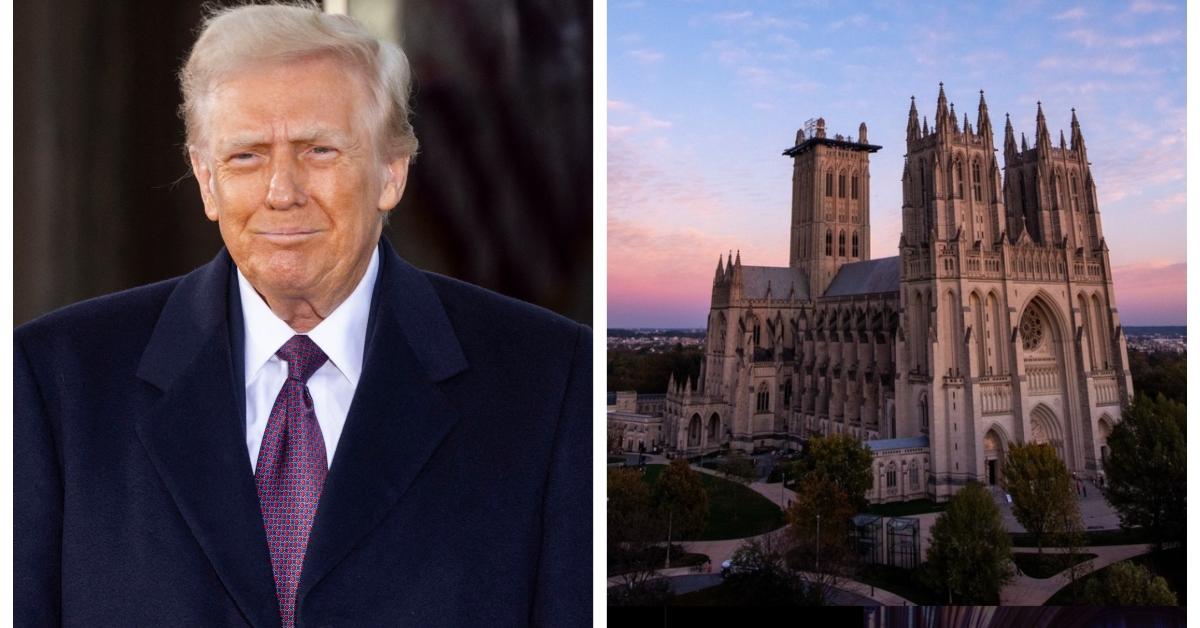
x: 291, y: 471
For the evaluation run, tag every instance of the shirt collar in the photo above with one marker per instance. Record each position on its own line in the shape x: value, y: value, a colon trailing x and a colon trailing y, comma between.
x: 342, y: 335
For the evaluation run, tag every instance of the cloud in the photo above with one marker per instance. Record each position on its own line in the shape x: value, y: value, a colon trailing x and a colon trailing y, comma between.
x: 1156, y: 38
x: 1169, y: 204
x: 1092, y: 39
x: 645, y: 55
x: 1085, y: 36
x: 733, y: 16
x: 1148, y: 6
x: 1120, y: 65
x: 1071, y: 14
x: 750, y: 21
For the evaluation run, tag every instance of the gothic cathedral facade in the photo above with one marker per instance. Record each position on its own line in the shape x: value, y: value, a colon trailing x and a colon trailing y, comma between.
x: 996, y: 323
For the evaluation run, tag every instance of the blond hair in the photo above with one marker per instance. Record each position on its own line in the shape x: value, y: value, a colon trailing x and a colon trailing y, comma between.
x: 233, y: 39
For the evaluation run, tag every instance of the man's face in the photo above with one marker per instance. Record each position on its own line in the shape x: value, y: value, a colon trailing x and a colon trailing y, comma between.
x: 288, y: 168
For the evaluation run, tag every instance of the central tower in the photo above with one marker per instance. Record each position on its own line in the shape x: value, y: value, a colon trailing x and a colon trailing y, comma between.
x: 831, y: 209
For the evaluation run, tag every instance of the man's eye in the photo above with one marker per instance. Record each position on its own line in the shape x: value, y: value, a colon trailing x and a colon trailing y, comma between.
x: 241, y: 156
x: 323, y: 150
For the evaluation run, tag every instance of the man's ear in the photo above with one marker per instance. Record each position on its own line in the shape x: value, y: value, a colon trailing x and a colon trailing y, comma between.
x: 204, y: 179
x: 395, y: 173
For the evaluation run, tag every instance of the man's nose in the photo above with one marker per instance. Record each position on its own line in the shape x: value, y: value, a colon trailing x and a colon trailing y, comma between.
x: 286, y: 188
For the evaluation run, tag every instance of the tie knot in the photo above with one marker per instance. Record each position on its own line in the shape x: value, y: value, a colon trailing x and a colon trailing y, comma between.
x: 303, y: 357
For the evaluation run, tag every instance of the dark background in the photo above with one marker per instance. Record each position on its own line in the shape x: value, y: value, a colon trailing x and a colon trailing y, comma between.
x: 500, y: 195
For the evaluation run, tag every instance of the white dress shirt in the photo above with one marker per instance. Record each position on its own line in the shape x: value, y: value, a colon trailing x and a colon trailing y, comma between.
x: 342, y: 336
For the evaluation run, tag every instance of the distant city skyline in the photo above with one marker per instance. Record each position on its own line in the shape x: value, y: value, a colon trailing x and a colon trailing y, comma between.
x: 704, y: 96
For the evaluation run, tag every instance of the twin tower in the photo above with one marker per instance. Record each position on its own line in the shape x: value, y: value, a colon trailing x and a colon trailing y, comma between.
x: 952, y: 192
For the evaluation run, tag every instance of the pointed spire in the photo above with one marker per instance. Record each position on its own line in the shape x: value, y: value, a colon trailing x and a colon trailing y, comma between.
x: 1042, y: 137
x: 941, y: 115
x: 1024, y: 144
x: 925, y: 126
x: 1010, y: 144
x: 914, y: 123
x: 720, y: 267
x: 966, y: 124
x: 1062, y: 139
x: 738, y: 262
x: 1076, y: 134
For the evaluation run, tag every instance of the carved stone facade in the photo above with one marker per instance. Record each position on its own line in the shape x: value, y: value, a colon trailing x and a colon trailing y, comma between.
x: 995, y: 324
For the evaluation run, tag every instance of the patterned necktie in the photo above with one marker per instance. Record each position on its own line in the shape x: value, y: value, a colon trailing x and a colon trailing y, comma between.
x: 291, y: 471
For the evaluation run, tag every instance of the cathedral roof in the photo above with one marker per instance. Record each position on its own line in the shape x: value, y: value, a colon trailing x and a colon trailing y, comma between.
x: 869, y: 277
x: 892, y: 444
x: 781, y: 280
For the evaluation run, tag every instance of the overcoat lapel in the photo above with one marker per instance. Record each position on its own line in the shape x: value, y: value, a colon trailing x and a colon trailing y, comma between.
x: 397, y: 419
x: 195, y: 437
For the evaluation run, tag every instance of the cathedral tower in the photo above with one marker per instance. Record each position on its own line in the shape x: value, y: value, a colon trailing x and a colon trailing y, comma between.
x: 831, y: 222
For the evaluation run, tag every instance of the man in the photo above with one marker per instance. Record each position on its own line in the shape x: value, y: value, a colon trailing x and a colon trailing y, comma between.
x: 305, y: 431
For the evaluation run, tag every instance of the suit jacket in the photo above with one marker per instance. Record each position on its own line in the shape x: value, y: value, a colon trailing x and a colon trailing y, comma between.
x: 460, y: 493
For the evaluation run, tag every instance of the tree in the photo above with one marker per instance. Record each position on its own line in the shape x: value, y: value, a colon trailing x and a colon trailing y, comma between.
x: 969, y: 553
x: 631, y: 519
x: 1146, y: 468
x: 1071, y: 537
x: 819, y: 521
x: 843, y: 459
x: 1041, y: 489
x: 1129, y: 584
x: 740, y: 467
x: 761, y: 576
x: 681, y: 500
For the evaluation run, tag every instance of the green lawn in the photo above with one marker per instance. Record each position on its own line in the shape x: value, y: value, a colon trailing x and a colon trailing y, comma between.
x: 1170, y: 564
x: 1046, y: 565
x: 906, y: 509
x: 734, y: 511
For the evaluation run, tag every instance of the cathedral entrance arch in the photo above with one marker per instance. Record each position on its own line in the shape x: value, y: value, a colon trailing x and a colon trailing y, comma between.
x: 694, y: 431
x: 994, y: 452
x: 1104, y: 430
x: 714, y: 429
x: 1045, y: 428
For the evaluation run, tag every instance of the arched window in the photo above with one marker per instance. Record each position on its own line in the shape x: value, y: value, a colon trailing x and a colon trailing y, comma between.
x: 921, y: 167
x: 829, y: 183
x: 1074, y: 193
x: 976, y: 181
x: 891, y: 475
x: 958, y: 177
x: 923, y: 411
x: 763, y: 402
x: 841, y: 185
x: 757, y: 334
x: 914, y: 475
x: 1021, y: 186
x: 828, y: 242
x: 854, y: 187
x: 787, y: 393
x: 854, y: 244
x: 841, y: 244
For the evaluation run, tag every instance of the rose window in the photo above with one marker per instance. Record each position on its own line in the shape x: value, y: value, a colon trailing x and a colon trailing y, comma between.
x: 1031, y: 330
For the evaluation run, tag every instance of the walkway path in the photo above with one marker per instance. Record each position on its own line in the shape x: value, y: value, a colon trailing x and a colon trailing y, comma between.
x: 1029, y: 591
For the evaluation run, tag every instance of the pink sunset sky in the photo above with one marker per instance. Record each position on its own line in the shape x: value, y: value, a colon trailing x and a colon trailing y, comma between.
x: 703, y: 97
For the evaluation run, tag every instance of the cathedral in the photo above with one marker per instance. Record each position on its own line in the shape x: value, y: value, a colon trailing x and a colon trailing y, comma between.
x: 996, y: 323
